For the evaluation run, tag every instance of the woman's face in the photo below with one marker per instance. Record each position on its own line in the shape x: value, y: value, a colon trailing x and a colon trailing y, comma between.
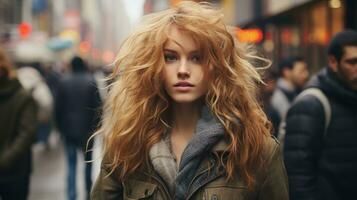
x: 185, y: 74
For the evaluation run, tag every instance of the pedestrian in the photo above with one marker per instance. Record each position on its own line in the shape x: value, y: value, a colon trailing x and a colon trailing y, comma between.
x: 32, y: 80
x: 293, y: 76
x: 321, y: 149
x: 77, y: 110
x: 182, y: 120
x: 18, y: 126
x: 266, y: 92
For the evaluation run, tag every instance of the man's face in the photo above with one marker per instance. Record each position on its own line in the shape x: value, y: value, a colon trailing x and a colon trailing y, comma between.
x: 299, y: 74
x: 346, y: 68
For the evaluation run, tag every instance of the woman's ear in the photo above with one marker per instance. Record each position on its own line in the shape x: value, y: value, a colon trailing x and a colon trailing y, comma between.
x: 332, y: 63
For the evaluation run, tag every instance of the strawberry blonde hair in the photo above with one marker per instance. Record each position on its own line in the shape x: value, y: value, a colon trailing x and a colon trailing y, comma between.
x: 136, y: 111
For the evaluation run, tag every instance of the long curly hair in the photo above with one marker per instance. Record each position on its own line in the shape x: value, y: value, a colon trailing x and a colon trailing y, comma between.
x: 136, y: 111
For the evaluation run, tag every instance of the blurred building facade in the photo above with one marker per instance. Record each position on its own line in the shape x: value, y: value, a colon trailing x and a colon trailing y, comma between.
x: 9, y: 12
x: 95, y: 28
x: 227, y: 6
x: 92, y: 28
x: 298, y: 27
x: 284, y: 28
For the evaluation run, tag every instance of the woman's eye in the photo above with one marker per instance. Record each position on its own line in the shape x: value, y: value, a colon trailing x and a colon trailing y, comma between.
x: 170, y: 58
x: 196, y: 58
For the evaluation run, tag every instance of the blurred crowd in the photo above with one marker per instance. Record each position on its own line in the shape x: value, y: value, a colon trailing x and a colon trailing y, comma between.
x: 317, y: 128
x: 37, y: 100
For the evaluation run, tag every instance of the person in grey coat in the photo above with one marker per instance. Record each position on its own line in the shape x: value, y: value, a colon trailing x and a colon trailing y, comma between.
x: 294, y: 74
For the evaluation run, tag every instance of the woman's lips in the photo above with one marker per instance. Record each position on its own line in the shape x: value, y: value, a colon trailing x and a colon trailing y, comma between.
x: 183, y: 86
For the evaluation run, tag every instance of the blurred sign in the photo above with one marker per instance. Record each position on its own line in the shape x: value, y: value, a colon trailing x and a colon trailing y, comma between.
x: 72, y: 20
x: 39, y: 6
x: 85, y: 47
x: 70, y: 35
x: 253, y: 35
x: 108, y: 57
x: 24, y: 29
x: 174, y: 2
x: 273, y: 7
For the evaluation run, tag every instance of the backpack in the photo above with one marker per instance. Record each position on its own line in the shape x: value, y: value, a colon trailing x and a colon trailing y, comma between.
x: 324, y: 102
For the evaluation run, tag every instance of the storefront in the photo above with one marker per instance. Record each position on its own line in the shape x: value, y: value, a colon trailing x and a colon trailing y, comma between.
x: 301, y: 28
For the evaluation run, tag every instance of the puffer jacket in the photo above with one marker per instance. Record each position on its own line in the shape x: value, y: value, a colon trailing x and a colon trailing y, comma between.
x: 208, y: 183
x: 322, y: 165
x: 18, y: 124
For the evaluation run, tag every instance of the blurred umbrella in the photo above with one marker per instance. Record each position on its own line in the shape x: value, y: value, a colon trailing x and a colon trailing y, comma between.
x: 58, y: 44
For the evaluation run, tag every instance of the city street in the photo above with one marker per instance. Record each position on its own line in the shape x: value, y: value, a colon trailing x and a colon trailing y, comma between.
x: 48, y: 181
x: 264, y: 91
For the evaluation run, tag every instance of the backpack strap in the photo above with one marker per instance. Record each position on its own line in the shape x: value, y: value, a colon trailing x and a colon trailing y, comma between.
x: 323, y: 100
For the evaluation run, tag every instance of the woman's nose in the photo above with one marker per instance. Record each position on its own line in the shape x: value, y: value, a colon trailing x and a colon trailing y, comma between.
x: 183, y: 71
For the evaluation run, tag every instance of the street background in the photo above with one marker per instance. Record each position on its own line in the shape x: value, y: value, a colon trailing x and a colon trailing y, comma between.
x: 47, y: 34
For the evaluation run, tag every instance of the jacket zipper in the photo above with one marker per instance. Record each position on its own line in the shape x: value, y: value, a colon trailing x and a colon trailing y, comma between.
x: 204, y: 171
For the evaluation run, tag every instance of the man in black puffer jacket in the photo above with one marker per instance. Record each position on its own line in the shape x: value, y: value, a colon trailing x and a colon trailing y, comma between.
x: 322, y: 165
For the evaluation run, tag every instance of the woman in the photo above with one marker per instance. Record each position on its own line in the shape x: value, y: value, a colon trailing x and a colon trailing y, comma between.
x: 181, y: 120
x: 18, y: 121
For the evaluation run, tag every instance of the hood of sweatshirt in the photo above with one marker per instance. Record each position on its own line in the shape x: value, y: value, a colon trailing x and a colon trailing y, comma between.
x: 329, y: 83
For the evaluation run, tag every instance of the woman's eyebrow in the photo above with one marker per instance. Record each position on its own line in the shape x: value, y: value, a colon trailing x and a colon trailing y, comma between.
x: 191, y: 52
x: 172, y: 41
x: 170, y: 50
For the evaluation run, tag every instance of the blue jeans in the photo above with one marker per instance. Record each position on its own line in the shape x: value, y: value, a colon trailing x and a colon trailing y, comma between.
x: 43, y: 132
x: 71, y: 151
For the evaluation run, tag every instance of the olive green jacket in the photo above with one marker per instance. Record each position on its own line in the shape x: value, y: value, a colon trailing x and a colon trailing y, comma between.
x: 18, y: 125
x: 209, y: 182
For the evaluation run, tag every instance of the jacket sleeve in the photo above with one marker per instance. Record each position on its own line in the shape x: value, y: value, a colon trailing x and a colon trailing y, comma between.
x: 59, y: 106
x: 275, y: 183
x: 303, y: 142
x: 107, y: 186
x: 26, y: 133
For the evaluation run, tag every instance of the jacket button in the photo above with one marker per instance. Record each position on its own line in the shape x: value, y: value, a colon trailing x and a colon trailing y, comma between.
x: 214, y: 197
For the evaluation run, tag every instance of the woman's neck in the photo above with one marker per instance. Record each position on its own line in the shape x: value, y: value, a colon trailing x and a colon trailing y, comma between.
x: 184, y: 118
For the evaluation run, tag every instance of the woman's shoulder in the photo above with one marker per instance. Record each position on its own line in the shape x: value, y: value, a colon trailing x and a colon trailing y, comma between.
x: 270, y: 145
x: 107, y: 164
x: 271, y: 148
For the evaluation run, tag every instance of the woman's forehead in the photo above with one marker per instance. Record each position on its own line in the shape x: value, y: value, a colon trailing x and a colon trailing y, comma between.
x: 178, y: 38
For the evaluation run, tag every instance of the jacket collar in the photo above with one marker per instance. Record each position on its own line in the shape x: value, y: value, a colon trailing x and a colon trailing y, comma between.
x: 328, y: 82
